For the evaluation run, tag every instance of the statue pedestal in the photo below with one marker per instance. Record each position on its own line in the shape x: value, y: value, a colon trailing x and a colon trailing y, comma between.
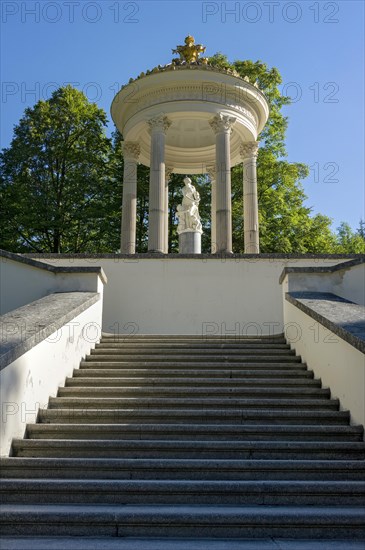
x: 190, y: 242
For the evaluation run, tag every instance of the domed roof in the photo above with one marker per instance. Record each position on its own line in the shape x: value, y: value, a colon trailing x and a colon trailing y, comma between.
x: 190, y: 92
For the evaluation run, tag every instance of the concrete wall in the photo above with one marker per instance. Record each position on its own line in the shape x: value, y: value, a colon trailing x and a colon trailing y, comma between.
x: 351, y: 284
x: 340, y: 366
x: 175, y: 295
x: 21, y: 284
x: 348, y: 283
x: 27, y: 383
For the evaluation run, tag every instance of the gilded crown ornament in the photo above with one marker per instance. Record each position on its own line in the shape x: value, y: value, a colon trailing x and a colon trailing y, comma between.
x: 189, y: 52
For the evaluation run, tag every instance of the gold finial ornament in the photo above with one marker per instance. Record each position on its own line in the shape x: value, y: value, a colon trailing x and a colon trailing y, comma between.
x: 189, y: 52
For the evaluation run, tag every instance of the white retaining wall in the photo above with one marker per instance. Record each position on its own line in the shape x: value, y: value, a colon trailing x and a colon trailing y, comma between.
x: 340, y: 365
x: 193, y: 296
x: 21, y: 283
x: 27, y: 383
x: 349, y: 283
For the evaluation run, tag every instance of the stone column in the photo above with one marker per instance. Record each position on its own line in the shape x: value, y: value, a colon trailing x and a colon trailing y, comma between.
x: 131, y: 151
x: 158, y: 127
x: 211, y: 171
x: 168, y: 172
x: 222, y: 127
x: 250, y: 204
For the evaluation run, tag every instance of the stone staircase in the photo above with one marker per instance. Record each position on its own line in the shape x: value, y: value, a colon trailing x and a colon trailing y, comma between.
x: 187, y: 439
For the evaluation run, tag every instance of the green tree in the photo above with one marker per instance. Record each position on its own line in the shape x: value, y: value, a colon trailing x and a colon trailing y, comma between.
x: 58, y: 181
x: 348, y: 241
x: 286, y: 224
x: 361, y: 229
x: 61, y: 183
x: 143, y: 184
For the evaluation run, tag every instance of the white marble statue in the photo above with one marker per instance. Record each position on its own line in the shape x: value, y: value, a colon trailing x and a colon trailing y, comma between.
x: 187, y: 211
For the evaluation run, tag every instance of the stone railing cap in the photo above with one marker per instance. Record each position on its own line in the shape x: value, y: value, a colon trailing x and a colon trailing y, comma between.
x: 342, y: 317
x: 204, y: 256
x: 322, y: 269
x: 29, y: 260
x: 23, y: 328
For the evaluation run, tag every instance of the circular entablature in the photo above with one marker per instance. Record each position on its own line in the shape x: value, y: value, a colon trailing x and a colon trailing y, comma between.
x: 190, y: 140
x: 189, y: 98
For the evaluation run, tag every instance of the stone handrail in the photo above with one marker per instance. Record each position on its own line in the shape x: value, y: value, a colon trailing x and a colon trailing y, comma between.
x: 23, y: 328
x: 340, y: 316
x: 31, y: 261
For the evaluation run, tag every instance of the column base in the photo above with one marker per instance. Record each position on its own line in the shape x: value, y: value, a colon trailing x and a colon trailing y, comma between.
x: 190, y: 242
x: 222, y: 252
x: 252, y: 245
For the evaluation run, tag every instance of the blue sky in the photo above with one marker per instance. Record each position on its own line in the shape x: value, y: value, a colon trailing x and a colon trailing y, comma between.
x: 98, y: 45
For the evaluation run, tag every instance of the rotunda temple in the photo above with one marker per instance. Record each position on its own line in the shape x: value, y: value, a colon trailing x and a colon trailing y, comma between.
x: 190, y: 117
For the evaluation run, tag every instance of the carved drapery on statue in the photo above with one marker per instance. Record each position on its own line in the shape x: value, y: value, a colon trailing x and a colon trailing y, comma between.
x: 188, y: 210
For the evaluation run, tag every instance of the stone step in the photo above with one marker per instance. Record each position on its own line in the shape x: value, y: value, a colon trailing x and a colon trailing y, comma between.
x: 252, y: 371
x: 240, y: 450
x: 189, y: 346
x: 182, y: 392
x: 225, y: 522
x: 187, y: 416
x: 167, y: 492
x: 198, y: 355
x: 205, y: 338
x: 150, y: 425
x: 184, y: 469
x: 186, y: 403
x: 229, y: 381
x: 268, y: 369
x: 195, y: 432
x: 134, y: 543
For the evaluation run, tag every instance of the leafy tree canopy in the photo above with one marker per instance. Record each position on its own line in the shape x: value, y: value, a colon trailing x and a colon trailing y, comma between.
x: 286, y: 224
x: 61, y: 183
x: 58, y: 189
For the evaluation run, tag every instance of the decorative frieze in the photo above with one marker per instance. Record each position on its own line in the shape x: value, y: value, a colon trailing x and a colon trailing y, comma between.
x: 200, y: 64
x: 232, y: 98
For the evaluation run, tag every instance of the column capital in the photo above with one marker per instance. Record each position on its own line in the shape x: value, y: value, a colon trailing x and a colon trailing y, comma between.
x: 131, y: 150
x: 168, y: 171
x: 249, y: 149
x: 212, y: 172
x: 222, y: 123
x: 159, y: 123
